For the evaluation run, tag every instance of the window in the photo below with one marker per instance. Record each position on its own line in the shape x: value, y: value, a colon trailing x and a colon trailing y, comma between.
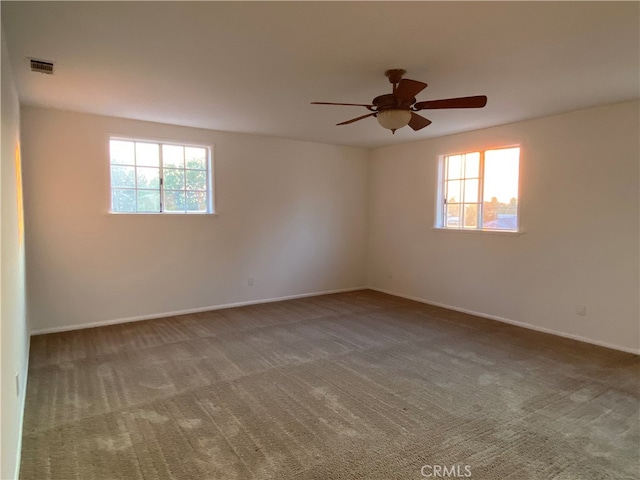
x: 479, y: 190
x: 151, y: 177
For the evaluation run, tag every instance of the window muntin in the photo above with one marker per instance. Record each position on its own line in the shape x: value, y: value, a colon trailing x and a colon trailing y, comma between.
x: 153, y: 177
x: 479, y: 190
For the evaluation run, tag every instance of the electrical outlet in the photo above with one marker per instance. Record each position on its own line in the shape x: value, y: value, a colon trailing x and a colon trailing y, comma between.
x: 250, y: 281
x: 17, y: 384
x: 581, y: 310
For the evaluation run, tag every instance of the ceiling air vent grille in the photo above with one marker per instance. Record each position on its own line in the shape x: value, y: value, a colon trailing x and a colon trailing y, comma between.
x: 41, y: 66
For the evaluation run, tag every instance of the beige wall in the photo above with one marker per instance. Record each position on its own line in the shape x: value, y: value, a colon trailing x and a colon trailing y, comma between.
x: 14, y: 337
x: 290, y: 214
x: 579, y: 210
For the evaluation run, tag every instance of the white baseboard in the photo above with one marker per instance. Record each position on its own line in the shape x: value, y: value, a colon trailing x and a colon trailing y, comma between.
x: 102, y: 323
x: 314, y: 294
x: 512, y: 322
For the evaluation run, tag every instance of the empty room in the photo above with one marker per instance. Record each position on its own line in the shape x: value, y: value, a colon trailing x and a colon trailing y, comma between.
x: 320, y: 240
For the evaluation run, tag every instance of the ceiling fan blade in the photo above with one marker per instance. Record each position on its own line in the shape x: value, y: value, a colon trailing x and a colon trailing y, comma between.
x: 417, y: 122
x: 356, y: 119
x: 347, y: 104
x: 408, y: 89
x: 462, y: 102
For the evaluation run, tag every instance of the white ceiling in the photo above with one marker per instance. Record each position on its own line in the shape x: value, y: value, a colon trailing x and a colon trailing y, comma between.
x: 255, y: 66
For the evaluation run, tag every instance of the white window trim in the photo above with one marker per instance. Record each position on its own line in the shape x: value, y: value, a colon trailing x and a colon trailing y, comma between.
x: 164, y: 141
x: 479, y: 231
x: 439, y: 207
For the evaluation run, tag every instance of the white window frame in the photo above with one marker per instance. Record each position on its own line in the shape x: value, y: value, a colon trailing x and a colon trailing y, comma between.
x: 210, y: 204
x: 441, y: 201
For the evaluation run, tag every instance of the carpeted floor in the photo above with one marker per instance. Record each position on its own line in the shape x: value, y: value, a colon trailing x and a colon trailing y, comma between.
x: 357, y: 385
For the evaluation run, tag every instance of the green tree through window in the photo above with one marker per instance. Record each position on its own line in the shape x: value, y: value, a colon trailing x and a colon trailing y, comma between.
x: 148, y: 177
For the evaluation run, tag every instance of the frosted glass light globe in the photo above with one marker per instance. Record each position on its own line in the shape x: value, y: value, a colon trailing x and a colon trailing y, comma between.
x: 393, y: 119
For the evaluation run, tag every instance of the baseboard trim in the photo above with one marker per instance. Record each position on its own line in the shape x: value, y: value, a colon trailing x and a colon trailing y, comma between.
x: 152, y: 316
x: 509, y: 321
x: 512, y: 322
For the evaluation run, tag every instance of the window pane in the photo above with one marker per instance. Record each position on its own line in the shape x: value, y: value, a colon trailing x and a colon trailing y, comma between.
x: 173, y: 179
x: 471, y: 216
x: 148, y: 177
x: 501, y: 174
x: 452, y: 216
x: 173, y: 156
x: 197, y: 201
x: 453, y: 192
x: 195, y: 157
x: 121, y: 152
x: 148, y: 200
x: 501, y: 189
x: 174, y: 201
x: 196, y: 179
x: 147, y: 154
x: 472, y: 165
x: 471, y: 191
x: 454, y: 166
x: 123, y: 200
x: 123, y: 176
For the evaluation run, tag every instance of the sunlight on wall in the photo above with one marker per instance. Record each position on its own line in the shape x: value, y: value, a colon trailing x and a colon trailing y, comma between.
x: 19, y: 196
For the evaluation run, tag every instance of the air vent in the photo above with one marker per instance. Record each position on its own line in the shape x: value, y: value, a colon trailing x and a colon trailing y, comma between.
x: 41, y: 66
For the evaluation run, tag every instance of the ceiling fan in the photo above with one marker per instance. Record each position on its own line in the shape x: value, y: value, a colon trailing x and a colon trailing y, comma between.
x: 397, y: 109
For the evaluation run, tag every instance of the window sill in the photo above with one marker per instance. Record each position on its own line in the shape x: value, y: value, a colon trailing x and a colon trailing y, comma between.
x: 163, y: 214
x: 505, y: 233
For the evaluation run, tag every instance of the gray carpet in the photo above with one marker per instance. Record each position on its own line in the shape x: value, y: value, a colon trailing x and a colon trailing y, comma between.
x: 357, y: 385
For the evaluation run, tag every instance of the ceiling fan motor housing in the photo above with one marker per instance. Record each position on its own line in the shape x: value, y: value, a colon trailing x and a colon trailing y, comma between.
x: 391, y: 102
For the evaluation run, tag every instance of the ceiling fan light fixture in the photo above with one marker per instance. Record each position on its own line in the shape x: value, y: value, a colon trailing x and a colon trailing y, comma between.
x: 393, y: 118
x: 397, y: 109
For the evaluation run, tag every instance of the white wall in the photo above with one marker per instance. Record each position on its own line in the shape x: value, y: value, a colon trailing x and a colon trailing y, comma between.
x: 299, y: 217
x: 14, y: 338
x: 291, y: 214
x: 579, y: 208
